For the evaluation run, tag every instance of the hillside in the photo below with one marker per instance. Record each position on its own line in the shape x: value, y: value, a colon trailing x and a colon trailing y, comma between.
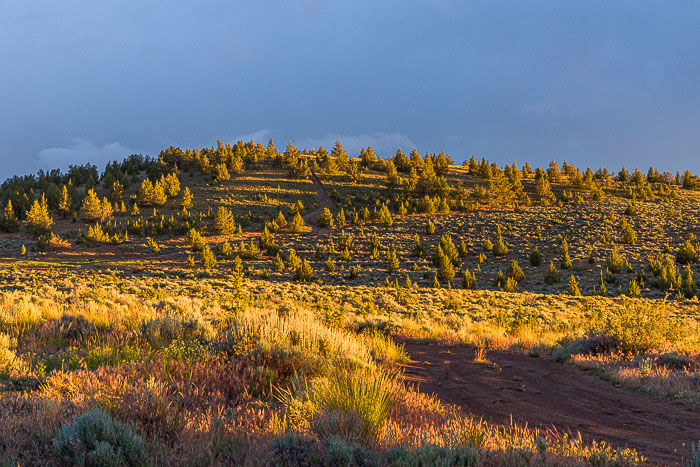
x: 227, y: 302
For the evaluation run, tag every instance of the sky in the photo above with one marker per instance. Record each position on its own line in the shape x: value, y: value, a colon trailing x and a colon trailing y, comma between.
x: 595, y: 83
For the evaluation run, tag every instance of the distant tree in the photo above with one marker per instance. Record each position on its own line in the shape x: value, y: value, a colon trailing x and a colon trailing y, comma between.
x: 340, y: 156
x: 9, y: 219
x: 221, y: 173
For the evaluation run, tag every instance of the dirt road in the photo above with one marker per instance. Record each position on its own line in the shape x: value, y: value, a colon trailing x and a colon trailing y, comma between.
x: 545, y: 393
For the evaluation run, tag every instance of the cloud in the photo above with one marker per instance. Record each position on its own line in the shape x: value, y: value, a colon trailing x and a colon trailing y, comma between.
x: 261, y: 135
x: 383, y: 143
x: 81, y: 151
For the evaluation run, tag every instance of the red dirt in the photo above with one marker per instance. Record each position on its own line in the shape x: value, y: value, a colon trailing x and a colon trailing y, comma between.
x: 545, y: 393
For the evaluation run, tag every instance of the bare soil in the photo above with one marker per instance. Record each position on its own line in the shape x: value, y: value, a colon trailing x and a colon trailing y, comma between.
x: 547, y: 395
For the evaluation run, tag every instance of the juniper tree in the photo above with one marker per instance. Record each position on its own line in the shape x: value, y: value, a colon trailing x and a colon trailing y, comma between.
x: 297, y: 224
x: 186, y: 203
x: 207, y: 260
x: 565, y: 258
x: 552, y: 275
x: 574, y: 287
x: 500, y: 248
x: 535, y: 257
x: 9, y: 219
x: 515, y: 272
x: 468, y: 281
x: 325, y: 219
x: 393, y: 261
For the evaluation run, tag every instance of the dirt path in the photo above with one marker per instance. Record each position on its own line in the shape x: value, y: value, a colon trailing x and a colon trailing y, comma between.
x: 324, y: 200
x: 545, y: 393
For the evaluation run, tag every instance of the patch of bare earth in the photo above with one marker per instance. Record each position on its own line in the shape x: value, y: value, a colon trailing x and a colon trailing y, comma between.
x: 548, y: 394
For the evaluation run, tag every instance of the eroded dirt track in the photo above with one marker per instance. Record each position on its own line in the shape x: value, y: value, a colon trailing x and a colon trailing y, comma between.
x: 546, y: 393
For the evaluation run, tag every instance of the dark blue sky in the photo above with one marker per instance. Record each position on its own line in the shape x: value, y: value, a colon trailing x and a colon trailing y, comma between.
x: 598, y: 83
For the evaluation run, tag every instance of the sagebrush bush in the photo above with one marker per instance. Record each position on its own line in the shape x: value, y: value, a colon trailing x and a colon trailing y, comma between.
x: 352, y: 405
x: 95, y: 439
x: 71, y: 327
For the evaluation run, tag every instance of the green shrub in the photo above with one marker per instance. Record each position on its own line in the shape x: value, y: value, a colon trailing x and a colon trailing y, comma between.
x: 552, y: 275
x: 295, y: 450
x: 352, y: 405
x: 535, y: 257
x: 94, y: 439
x: 686, y: 253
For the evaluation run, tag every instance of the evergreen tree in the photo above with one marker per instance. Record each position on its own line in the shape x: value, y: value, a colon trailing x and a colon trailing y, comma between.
x: 9, y: 219
x: 468, y: 281
x: 340, y: 156
x: 500, y: 249
x: 91, y: 207
x: 297, y: 224
x: 64, y: 202
x: 393, y: 261
x: 221, y: 173
x: 224, y: 221
x: 574, y: 287
x: 565, y: 258
x: 446, y: 270
x: 39, y: 220
x: 552, y: 275
x: 207, y: 260
x: 186, y: 202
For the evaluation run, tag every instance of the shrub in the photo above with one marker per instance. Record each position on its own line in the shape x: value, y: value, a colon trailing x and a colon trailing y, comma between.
x: 8, y: 358
x: 95, y: 439
x: 615, y: 261
x: 515, y: 272
x: 574, y: 287
x: 325, y: 219
x: 352, y: 406
x: 552, y: 275
x: 72, y: 327
x: 686, y: 253
x: 295, y: 450
x: 468, y: 281
x: 500, y: 248
x: 304, y: 272
x: 208, y: 259
x: 535, y: 257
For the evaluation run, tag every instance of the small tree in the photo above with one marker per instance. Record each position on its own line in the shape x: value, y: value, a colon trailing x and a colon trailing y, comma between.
x: 221, y: 173
x: 208, y: 259
x: 39, y: 220
x: 686, y: 253
x: 500, y: 248
x: 392, y: 261
x: 468, y: 281
x: 574, y: 287
x: 9, y: 219
x: 515, y: 272
x: 224, y: 221
x: 186, y: 203
x: 64, y: 202
x: 325, y: 219
x: 297, y: 224
x: 565, y: 258
x: 535, y: 257
x: 552, y: 275
x: 304, y: 273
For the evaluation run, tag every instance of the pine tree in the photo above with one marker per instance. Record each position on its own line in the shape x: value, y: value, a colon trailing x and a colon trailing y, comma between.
x: 208, y: 260
x: 146, y: 193
x: 159, y: 195
x: 446, y: 270
x: 393, y: 261
x: 64, y: 202
x: 341, y: 157
x: 565, y: 258
x: 186, y: 202
x: 688, y: 285
x: 224, y: 221
x: 602, y: 289
x: 9, y: 219
x: 325, y: 219
x: 39, y: 220
x: 92, y: 207
x: 535, y: 257
x: 221, y: 173
x: 515, y: 272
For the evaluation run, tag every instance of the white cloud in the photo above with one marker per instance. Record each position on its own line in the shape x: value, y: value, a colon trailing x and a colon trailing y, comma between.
x: 383, y: 143
x: 81, y: 151
x: 261, y: 135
